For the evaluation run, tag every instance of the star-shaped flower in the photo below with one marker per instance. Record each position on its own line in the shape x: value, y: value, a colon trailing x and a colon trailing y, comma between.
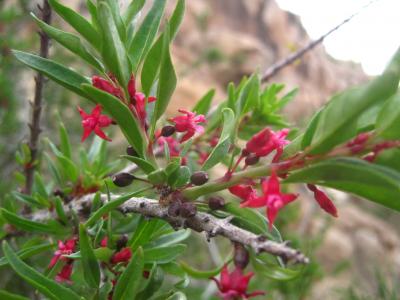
x: 188, y: 123
x: 66, y: 248
x: 94, y: 121
x: 234, y: 285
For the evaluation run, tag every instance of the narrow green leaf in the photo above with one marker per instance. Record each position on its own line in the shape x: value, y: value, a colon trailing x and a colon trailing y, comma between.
x: 109, y: 206
x: 65, y: 145
x: 338, y: 120
x: 163, y: 255
x: 28, y: 252
x: 27, y: 199
x: 28, y: 225
x: 197, y: 274
x: 272, y: 271
x: 113, y: 49
x: 10, y: 296
x: 157, y: 177
x: 177, y: 296
x: 141, y: 163
x: 79, y: 23
x: 47, y: 287
x: 166, y: 83
x: 60, y: 210
x: 389, y: 158
x: 129, y: 282
x: 55, y: 71
x: 121, y: 114
x: 374, y: 182
x: 119, y: 23
x: 169, y: 239
x: 388, y: 122
x: 154, y: 283
x: 133, y: 9
x: 145, y: 35
x: 143, y: 232
x: 183, y: 176
x: 105, y: 291
x: 92, y: 8
x: 91, y: 270
x: 69, y: 41
x: 203, y: 106
x: 224, y: 142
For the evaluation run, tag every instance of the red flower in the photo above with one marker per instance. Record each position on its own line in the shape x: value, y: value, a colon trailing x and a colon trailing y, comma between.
x: 104, y: 242
x: 65, y: 273
x: 273, y: 199
x: 244, y: 192
x: 124, y: 255
x: 266, y: 141
x: 323, y: 200
x: 106, y: 86
x: 94, y: 122
x: 66, y: 248
x: 172, y: 143
x: 188, y: 123
x: 234, y: 285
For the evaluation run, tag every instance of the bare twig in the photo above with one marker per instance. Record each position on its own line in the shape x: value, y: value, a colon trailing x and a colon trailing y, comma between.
x: 34, y: 126
x: 201, y: 222
x: 277, y: 67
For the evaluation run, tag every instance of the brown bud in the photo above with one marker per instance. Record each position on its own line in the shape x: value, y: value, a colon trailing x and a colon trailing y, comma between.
x: 199, y: 178
x: 130, y: 151
x: 174, y: 208
x: 240, y: 256
x: 121, y: 242
x: 245, y: 152
x: 123, y: 179
x: 167, y: 131
x: 187, y: 210
x: 216, y: 202
x: 59, y: 193
x: 251, y: 159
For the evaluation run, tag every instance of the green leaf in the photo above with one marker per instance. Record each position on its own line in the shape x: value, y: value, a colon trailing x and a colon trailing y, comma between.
x: 10, y: 296
x: 55, y: 71
x: 28, y: 199
x: 204, y: 104
x: 69, y: 41
x: 144, y: 165
x: 154, y: 283
x: 79, y: 23
x: 338, y: 120
x: 132, y: 10
x: 28, y: 252
x: 91, y: 270
x: 183, y: 176
x: 105, y: 290
x: 376, y: 183
x: 47, y: 287
x: 121, y: 114
x: 143, y: 232
x: 128, y: 284
x: 197, y: 274
x: 163, y: 255
x: 145, y: 35
x: 272, y: 271
x: 389, y: 158
x: 388, y: 122
x: 166, y: 83
x: 157, y: 177
x: 119, y: 23
x: 110, y: 206
x: 113, y: 49
x: 28, y: 225
x: 60, y: 210
x: 65, y: 145
x: 222, y: 148
x: 169, y: 239
x: 177, y: 296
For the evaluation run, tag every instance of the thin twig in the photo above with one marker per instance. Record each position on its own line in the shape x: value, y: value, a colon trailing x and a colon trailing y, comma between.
x: 34, y: 126
x: 201, y: 222
x: 276, y: 68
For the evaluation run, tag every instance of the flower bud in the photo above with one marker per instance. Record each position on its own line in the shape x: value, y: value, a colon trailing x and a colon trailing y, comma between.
x: 251, y: 159
x: 174, y: 208
x: 187, y: 210
x: 130, y: 151
x: 123, y: 179
x: 245, y: 152
x: 199, y: 178
x: 240, y: 256
x: 216, y: 202
x: 167, y: 131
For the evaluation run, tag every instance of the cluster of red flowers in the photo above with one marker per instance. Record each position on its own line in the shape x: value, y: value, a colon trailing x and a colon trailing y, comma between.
x: 234, y: 285
x: 66, y: 248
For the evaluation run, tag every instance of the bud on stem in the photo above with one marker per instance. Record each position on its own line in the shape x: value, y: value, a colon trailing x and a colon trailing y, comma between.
x: 123, y: 179
x: 199, y: 178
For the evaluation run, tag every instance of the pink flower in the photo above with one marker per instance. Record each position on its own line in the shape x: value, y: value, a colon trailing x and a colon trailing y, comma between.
x: 272, y: 198
x: 172, y: 144
x: 106, y: 86
x: 94, y: 122
x: 104, y: 242
x: 266, y: 141
x: 244, y: 192
x: 65, y: 274
x: 66, y: 248
x: 323, y: 200
x: 122, y: 256
x: 188, y: 124
x: 138, y: 102
x: 234, y: 285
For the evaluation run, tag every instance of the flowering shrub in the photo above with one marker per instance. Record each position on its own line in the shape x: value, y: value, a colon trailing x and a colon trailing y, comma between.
x: 125, y: 230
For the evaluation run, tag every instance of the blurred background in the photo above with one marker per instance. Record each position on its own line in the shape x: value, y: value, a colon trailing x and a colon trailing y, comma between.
x: 356, y: 256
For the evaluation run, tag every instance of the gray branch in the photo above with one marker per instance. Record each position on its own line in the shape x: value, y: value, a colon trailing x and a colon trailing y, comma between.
x: 201, y: 222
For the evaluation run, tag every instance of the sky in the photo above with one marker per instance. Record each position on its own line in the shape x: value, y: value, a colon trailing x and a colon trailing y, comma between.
x: 371, y: 38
